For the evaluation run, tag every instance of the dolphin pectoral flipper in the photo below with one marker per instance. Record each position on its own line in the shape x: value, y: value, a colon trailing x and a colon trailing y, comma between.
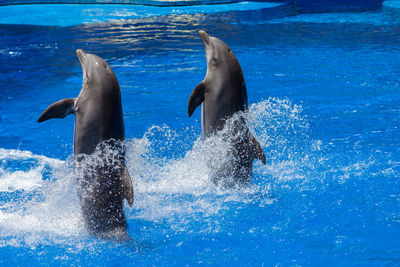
x: 196, y: 98
x: 127, y: 188
x: 59, y: 109
x: 257, y: 149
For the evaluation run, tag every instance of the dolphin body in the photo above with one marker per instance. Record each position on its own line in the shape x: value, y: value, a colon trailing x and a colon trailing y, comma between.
x: 221, y: 94
x: 98, y: 120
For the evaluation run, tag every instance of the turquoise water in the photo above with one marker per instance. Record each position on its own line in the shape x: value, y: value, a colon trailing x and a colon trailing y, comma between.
x: 324, y: 103
x: 72, y: 14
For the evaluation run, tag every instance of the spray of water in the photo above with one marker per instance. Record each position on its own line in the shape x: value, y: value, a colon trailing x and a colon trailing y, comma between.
x: 170, y: 175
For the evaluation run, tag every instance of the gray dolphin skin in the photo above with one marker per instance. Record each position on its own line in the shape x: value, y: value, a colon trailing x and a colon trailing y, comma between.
x: 98, y: 120
x: 221, y: 94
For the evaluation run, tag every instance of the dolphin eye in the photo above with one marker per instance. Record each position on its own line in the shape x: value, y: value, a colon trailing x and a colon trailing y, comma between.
x: 105, y: 66
x: 229, y: 50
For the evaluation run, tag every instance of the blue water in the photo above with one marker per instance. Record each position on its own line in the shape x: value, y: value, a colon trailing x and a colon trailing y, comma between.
x: 324, y: 91
x: 72, y: 14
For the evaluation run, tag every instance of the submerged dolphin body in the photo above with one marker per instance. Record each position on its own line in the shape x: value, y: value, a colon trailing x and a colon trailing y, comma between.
x: 98, y: 120
x: 222, y: 93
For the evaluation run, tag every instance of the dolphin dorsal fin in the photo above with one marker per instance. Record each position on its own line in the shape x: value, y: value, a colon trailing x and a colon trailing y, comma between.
x: 59, y: 109
x: 257, y: 149
x: 127, y: 188
x: 196, y: 98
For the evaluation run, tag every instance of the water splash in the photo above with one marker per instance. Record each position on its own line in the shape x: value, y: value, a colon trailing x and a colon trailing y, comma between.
x: 12, y: 179
x: 38, y: 194
x: 179, y: 187
x: 171, y: 180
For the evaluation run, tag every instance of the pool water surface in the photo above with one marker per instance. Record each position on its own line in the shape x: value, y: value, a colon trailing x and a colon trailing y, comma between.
x: 324, y: 96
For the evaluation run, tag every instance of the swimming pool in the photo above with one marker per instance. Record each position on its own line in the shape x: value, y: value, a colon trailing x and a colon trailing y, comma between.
x: 324, y: 94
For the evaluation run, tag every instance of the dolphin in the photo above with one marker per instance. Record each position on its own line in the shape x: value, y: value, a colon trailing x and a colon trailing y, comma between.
x: 99, y: 124
x: 221, y: 94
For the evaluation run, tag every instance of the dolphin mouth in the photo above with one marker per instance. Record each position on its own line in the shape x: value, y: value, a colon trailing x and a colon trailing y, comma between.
x: 82, y: 59
x: 205, y: 38
x: 82, y: 56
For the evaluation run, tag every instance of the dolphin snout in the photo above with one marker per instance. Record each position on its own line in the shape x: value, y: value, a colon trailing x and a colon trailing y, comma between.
x: 81, y: 55
x: 205, y: 38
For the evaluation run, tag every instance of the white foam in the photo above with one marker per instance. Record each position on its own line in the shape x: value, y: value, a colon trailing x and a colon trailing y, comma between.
x: 24, y: 179
x: 14, y: 154
x: 178, y: 187
x: 173, y: 188
x: 169, y: 186
x: 40, y: 209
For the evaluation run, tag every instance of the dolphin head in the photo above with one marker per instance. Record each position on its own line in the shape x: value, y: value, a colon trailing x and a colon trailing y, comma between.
x: 97, y: 74
x: 220, y: 57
